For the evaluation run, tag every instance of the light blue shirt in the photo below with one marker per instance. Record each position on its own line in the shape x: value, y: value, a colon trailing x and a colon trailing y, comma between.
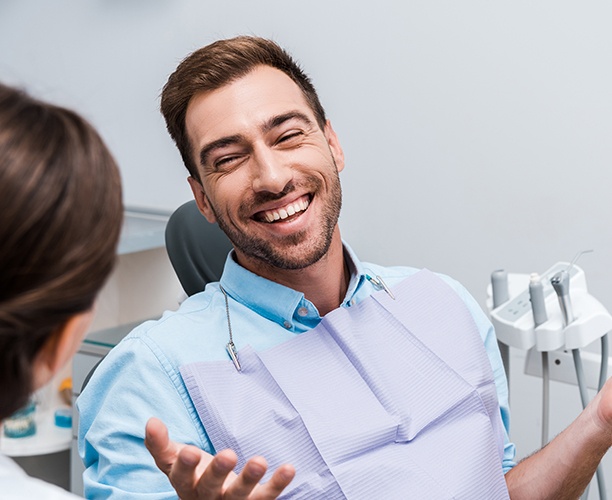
x: 140, y: 377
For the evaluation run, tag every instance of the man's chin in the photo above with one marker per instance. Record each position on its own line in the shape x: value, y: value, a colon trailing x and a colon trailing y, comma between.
x: 291, y: 257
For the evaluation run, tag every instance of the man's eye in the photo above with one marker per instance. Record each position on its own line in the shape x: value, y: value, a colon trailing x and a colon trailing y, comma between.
x: 291, y: 136
x: 225, y: 161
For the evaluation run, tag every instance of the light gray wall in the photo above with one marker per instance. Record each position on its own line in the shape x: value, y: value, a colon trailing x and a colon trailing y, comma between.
x: 478, y: 134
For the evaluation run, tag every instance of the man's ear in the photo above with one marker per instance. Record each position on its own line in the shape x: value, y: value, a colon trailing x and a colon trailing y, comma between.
x: 59, y: 348
x: 201, y: 199
x: 334, y: 146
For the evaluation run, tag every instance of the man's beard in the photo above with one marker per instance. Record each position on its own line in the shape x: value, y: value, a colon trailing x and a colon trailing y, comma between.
x: 278, y: 253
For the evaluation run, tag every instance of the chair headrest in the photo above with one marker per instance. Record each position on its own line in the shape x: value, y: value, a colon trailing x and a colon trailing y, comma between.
x: 197, y: 248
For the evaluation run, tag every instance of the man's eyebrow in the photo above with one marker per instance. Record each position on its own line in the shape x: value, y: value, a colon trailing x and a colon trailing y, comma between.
x: 275, y: 121
x: 218, y: 144
x: 268, y: 125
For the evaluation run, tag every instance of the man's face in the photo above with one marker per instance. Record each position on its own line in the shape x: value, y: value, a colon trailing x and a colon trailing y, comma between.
x: 269, y: 173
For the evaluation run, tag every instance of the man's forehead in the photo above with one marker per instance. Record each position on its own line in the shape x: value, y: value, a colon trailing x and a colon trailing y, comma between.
x: 258, y: 95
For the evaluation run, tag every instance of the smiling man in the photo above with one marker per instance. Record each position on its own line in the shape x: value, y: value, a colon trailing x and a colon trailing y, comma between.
x: 268, y: 175
x: 372, y: 382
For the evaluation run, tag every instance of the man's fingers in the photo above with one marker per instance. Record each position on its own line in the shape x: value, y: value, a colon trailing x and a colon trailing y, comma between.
x: 246, y: 484
x: 212, y: 480
x: 247, y: 480
x: 185, y: 464
x: 184, y: 474
x: 277, y: 483
x: 159, y: 445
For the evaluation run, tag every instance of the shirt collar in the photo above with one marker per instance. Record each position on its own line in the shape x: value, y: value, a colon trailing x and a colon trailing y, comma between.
x: 274, y: 301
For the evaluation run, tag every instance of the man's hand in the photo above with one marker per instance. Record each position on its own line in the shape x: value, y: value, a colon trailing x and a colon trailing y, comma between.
x: 603, y: 405
x: 197, y: 475
x: 563, y: 468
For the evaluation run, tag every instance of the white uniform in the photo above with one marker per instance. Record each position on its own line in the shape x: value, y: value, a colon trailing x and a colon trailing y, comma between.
x: 15, y: 484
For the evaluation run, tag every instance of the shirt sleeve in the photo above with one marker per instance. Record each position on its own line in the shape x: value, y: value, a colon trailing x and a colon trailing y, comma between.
x: 487, y: 332
x: 133, y: 383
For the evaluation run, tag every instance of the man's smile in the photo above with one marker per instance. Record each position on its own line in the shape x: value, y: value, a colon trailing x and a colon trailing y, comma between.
x: 285, y: 211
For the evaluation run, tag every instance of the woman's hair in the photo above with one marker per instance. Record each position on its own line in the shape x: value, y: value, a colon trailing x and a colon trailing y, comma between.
x: 217, y: 65
x: 60, y: 220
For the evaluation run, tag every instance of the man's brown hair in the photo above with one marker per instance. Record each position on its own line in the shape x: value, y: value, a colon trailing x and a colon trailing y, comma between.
x: 217, y: 65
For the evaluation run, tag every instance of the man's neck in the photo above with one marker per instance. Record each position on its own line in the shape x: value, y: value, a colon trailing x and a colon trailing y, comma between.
x: 324, y: 283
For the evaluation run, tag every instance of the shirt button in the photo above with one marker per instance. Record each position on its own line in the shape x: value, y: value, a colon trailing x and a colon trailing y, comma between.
x: 287, y: 325
x: 302, y: 311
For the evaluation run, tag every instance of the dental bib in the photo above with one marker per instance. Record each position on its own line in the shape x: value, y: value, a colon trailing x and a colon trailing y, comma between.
x: 390, y: 399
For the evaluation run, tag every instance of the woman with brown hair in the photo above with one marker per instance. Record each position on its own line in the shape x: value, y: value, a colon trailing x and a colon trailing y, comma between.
x: 60, y: 220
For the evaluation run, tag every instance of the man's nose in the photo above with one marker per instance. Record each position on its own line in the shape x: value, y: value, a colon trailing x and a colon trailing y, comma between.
x: 270, y: 172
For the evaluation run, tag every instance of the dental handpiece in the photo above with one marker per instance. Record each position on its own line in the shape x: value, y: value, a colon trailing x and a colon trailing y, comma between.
x: 538, y: 303
x: 499, y: 287
x: 561, y: 283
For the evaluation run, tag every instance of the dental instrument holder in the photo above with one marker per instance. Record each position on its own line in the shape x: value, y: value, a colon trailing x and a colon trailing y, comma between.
x: 515, y: 326
x: 563, y: 316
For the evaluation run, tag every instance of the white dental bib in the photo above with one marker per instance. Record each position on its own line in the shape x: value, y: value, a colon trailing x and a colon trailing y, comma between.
x: 390, y: 399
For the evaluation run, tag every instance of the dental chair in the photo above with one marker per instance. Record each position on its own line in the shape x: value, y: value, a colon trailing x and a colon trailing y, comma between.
x: 197, y: 249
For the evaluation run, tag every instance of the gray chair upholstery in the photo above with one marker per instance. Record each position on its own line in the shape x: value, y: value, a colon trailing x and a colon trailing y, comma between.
x: 197, y: 248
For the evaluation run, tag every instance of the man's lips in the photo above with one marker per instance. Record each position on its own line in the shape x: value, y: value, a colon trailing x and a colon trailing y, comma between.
x: 285, y: 211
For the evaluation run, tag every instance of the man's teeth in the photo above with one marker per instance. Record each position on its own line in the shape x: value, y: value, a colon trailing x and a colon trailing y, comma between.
x: 283, y: 213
